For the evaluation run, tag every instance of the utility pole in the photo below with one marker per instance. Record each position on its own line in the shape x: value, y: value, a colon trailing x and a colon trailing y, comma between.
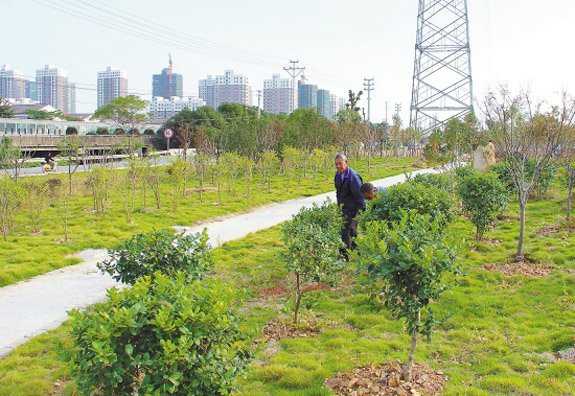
x: 259, y: 102
x: 397, y: 109
x: 293, y: 71
x: 368, y: 85
x: 386, y: 113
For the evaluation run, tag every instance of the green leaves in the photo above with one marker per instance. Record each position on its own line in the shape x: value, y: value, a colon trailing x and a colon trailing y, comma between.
x: 163, y: 251
x: 162, y: 336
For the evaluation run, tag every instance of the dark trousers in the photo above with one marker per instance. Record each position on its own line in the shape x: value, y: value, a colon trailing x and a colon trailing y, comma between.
x: 348, y: 234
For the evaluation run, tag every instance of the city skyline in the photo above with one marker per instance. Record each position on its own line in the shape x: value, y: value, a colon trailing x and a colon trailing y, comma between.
x: 339, y: 44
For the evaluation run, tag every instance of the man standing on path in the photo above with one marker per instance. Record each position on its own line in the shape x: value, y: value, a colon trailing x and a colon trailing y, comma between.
x: 349, y: 199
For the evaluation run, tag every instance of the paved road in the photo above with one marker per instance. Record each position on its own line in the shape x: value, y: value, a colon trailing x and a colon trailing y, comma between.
x: 32, y: 307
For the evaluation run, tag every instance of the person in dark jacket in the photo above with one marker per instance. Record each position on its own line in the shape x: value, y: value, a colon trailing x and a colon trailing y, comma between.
x: 349, y: 199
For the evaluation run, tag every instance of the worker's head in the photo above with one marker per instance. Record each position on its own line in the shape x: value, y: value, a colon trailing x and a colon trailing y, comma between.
x: 340, y: 163
x: 368, y: 191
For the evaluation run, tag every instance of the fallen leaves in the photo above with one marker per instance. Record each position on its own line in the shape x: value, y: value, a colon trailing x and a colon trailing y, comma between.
x: 520, y: 268
x: 386, y: 380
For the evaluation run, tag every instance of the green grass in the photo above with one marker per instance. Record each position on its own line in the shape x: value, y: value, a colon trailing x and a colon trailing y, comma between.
x: 496, y: 341
x: 27, y: 254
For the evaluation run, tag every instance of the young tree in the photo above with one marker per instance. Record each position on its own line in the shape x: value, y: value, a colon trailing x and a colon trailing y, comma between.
x: 201, y: 164
x: 268, y: 161
x: 291, y: 161
x: 483, y: 196
x: 153, y: 174
x: 317, y: 159
x: 73, y: 148
x: 410, y: 259
x: 37, y: 194
x: 11, y: 196
x: 312, y: 244
x: 566, y: 157
x: 63, y: 201
x: 521, y: 132
x: 178, y: 170
x: 248, y: 166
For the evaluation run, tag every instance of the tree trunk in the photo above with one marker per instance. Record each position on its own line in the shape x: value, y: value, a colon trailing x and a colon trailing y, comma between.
x: 569, y: 201
x: 519, y: 254
x: 411, y: 357
x: 298, y: 298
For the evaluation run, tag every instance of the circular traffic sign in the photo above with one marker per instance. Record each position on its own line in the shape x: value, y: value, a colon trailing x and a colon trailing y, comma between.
x: 168, y: 133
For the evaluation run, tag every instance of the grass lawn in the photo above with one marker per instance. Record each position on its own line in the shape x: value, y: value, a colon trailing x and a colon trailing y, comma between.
x: 28, y: 253
x: 498, y: 339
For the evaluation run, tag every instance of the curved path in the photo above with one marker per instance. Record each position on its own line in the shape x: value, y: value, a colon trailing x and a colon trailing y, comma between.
x: 34, y: 306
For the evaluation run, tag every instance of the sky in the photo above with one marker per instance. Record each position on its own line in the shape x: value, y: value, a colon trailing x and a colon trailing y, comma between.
x: 519, y: 43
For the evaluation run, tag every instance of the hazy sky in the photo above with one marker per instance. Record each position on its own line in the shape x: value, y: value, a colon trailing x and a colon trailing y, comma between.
x: 522, y: 43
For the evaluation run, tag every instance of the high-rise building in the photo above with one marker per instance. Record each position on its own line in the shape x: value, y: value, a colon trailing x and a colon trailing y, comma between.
x: 278, y: 95
x: 167, y: 84
x: 307, y: 94
x: 53, y: 88
x: 12, y: 83
x: 324, y: 103
x: 112, y: 83
x: 72, y: 98
x: 31, y: 90
x: 226, y: 88
x: 162, y: 109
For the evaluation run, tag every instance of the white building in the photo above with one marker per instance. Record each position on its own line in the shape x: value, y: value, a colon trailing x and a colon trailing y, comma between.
x: 12, y: 83
x: 162, y: 109
x: 112, y: 83
x: 226, y: 88
x: 278, y: 95
x: 53, y: 87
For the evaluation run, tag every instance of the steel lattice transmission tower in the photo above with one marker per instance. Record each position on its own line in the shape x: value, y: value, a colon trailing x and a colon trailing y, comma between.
x: 442, y: 84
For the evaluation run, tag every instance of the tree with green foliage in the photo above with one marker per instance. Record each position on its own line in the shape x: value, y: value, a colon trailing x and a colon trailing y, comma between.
x: 12, y: 158
x: 126, y: 113
x: 317, y: 159
x: 201, y: 164
x: 178, y: 170
x: 291, y: 161
x: 312, y: 244
x: 268, y: 162
x: 159, y: 251
x: 73, y: 148
x: 410, y: 259
x: 483, y: 196
x: 247, y: 164
x: 163, y: 336
x: 6, y: 110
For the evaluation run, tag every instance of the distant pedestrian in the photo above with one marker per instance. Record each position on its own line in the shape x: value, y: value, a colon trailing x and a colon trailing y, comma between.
x: 349, y: 199
x: 369, y: 191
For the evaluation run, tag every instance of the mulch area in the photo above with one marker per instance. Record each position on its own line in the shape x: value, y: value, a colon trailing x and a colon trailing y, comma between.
x: 548, y: 230
x: 490, y: 242
x: 277, y: 330
x: 524, y: 268
x: 386, y: 380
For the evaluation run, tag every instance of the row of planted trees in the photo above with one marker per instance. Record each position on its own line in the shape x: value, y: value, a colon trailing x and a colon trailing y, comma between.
x: 176, y: 330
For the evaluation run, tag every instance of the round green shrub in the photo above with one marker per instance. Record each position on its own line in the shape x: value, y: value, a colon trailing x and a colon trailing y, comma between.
x: 163, y: 336
x: 410, y: 196
x: 163, y: 251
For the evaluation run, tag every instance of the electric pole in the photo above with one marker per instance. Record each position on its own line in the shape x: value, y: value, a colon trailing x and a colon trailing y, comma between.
x: 259, y: 102
x: 368, y: 86
x: 293, y: 71
x: 386, y: 113
x: 397, y: 109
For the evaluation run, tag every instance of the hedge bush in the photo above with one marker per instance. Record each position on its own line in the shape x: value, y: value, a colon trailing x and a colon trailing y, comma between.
x: 163, y: 251
x: 163, y: 336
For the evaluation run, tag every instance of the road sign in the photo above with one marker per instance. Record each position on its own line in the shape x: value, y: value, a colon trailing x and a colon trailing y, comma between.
x: 168, y: 133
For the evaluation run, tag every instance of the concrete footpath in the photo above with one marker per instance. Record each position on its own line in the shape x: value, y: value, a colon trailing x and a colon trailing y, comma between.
x: 34, y: 306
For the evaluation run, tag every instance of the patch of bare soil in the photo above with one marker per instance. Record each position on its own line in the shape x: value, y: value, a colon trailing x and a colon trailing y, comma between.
x: 386, y: 380
x: 276, y: 330
x: 524, y: 268
x: 567, y: 354
x: 197, y: 190
x: 548, y: 229
x: 490, y: 242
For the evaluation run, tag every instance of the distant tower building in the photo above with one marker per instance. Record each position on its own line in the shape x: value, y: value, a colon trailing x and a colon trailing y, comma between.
x: 307, y: 94
x: 227, y: 88
x: 168, y: 84
x: 334, y: 104
x: 112, y: 83
x: 163, y: 109
x: 442, y: 85
x: 12, y: 83
x: 278, y: 95
x: 53, y: 88
x: 72, y: 98
x: 324, y: 103
x: 31, y: 90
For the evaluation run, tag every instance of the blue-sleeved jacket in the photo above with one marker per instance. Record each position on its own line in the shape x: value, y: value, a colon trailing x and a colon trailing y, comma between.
x: 349, y: 198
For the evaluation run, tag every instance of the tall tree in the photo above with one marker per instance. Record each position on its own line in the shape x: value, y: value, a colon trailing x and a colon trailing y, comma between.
x: 6, y: 110
x: 126, y: 112
x: 521, y: 132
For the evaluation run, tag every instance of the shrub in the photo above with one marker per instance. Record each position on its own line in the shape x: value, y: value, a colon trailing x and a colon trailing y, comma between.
x: 163, y: 251
x: 440, y: 181
x: 312, y: 247
x: 463, y: 171
x: 162, y: 336
x: 410, y: 196
x: 544, y: 181
x: 410, y: 258
x: 483, y: 196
